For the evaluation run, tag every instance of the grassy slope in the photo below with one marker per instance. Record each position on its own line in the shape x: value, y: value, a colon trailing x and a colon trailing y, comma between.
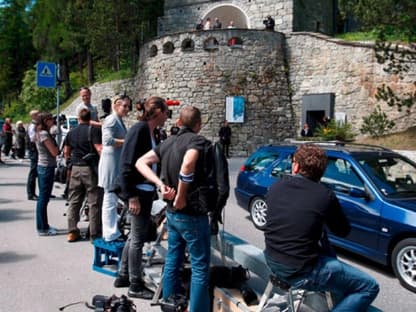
x: 405, y: 140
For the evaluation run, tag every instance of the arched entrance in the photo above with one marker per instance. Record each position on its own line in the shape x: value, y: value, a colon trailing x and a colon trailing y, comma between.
x: 227, y: 13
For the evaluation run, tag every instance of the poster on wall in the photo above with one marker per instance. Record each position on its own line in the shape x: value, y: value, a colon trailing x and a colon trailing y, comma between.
x: 234, y: 108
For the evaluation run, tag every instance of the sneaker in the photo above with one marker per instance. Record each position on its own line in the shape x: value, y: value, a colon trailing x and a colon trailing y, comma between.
x: 121, y: 281
x: 49, y: 232
x: 139, y: 291
x: 33, y: 197
x: 73, y: 237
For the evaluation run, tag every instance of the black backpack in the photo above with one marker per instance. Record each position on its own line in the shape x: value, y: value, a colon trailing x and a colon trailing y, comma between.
x: 215, y: 188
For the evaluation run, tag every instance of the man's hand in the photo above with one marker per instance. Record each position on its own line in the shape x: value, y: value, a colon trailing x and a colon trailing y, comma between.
x: 167, y: 192
x: 134, y: 205
x: 179, y: 202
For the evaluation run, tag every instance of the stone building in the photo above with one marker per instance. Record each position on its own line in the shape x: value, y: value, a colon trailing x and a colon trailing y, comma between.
x: 267, y: 82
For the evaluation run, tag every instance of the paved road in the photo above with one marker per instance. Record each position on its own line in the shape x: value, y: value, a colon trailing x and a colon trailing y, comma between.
x: 41, y: 274
x: 45, y: 273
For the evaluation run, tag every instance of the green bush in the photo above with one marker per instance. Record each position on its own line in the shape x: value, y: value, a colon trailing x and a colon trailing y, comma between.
x: 376, y: 124
x: 335, y: 130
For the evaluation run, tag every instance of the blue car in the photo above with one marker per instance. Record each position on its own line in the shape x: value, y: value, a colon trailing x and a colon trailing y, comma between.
x: 375, y: 186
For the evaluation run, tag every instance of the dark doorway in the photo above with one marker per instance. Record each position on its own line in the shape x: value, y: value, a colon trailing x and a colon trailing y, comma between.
x: 314, y: 119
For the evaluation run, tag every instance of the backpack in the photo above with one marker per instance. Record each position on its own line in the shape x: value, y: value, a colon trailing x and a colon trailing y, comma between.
x: 214, y: 190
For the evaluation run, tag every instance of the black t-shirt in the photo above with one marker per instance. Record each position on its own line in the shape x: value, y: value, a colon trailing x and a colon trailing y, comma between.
x: 77, y: 139
x: 298, y: 210
x: 171, y: 153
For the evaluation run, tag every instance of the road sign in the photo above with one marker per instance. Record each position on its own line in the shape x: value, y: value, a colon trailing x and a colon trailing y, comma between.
x: 46, y: 75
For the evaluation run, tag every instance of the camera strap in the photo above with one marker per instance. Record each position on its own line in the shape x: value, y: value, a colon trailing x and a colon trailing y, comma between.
x: 75, y: 303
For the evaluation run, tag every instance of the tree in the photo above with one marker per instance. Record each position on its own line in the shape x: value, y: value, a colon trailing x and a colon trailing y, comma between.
x: 16, y: 50
x: 59, y: 33
x: 376, y: 124
x: 389, y: 18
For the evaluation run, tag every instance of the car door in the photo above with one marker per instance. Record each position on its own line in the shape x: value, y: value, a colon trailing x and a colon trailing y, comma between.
x: 359, y: 206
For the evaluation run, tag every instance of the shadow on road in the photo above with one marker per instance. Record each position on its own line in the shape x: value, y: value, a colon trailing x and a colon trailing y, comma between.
x: 12, y: 184
x: 8, y: 215
x: 12, y: 257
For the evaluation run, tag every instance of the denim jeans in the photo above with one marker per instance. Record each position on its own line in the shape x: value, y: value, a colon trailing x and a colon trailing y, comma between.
x: 45, y: 181
x: 192, y: 232
x: 138, y: 236
x: 352, y: 289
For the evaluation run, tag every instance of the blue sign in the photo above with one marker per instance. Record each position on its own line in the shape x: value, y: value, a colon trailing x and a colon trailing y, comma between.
x: 46, y: 75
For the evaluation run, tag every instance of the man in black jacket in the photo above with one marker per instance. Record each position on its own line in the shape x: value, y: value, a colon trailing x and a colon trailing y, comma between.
x: 299, y: 208
x: 140, y: 193
x: 184, y: 187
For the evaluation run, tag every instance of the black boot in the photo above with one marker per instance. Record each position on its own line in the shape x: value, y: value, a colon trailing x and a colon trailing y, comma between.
x: 139, y: 291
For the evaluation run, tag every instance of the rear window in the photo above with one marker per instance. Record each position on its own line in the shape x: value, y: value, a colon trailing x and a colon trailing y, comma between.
x: 73, y: 122
x: 260, y: 160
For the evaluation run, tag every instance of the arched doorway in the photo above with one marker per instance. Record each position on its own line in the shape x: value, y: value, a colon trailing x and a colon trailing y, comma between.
x: 227, y: 13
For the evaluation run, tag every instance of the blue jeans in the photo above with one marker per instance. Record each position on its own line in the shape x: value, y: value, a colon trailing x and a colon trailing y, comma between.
x: 192, y: 232
x: 45, y: 181
x: 353, y: 289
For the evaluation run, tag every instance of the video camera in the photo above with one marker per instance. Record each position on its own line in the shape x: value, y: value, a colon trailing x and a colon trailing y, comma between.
x: 113, y: 304
x: 102, y: 303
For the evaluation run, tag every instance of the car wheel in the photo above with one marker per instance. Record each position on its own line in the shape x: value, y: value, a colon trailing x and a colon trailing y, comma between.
x: 403, y: 261
x: 258, y: 212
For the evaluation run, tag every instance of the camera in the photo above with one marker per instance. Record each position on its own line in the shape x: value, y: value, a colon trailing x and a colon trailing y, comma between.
x: 265, y: 22
x: 113, y: 304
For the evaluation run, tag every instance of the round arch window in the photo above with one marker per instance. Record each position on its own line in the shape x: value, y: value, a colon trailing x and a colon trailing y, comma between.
x: 168, y: 48
x: 188, y: 45
x: 211, y: 44
x: 153, y: 51
x: 235, y: 42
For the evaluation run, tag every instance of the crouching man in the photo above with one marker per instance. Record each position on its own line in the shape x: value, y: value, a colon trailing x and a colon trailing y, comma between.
x: 299, y: 208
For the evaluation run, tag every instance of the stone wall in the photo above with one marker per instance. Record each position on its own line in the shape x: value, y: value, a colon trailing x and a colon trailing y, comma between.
x: 270, y: 71
x: 319, y: 64
x: 183, y: 15
x: 312, y: 15
x: 105, y: 90
x: 289, y: 15
x: 253, y: 69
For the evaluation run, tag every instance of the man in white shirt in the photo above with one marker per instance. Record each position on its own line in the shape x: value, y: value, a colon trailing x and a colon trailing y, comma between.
x: 85, y: 94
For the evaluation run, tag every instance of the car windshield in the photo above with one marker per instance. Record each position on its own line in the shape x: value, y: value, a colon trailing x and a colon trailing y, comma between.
x: 393, y: 175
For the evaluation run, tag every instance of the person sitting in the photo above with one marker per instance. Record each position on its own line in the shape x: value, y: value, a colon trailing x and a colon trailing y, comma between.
x: 299, y: 210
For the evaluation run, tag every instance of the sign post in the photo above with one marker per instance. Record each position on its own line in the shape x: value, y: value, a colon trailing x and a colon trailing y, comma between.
x: 46, y: 77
